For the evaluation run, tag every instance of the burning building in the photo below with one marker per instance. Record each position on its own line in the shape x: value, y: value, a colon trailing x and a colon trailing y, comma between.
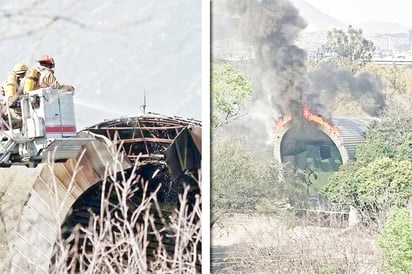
x: 312, y: 143
x: 282, y: 84
x: 164, y: 151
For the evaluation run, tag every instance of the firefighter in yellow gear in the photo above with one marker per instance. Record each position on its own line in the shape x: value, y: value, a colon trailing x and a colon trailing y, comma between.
x: 12, y: 87
x: 31, y: 81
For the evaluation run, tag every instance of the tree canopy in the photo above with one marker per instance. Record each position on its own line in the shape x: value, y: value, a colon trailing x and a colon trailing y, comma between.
x: 351, y: 49
x: 381, y: 175
x: 396, y: 242
x: 244, y: 182
x: 230, y: 88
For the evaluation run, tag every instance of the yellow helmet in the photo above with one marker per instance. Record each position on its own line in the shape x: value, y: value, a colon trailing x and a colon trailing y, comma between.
x: 19, y: 68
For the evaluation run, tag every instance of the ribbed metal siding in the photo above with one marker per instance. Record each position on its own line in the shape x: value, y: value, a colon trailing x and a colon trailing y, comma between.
x: 352, y: 131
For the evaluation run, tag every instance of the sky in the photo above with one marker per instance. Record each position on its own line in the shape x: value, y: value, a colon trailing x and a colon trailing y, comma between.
x: 113, y: 52
x: 358, y: 11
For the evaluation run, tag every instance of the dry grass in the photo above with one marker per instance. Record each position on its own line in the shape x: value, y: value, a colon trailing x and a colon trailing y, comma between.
x: 132, y: 236
x: 264, y: 244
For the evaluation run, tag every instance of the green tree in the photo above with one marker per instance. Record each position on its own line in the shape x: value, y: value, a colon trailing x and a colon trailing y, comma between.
x: 382, y: 174
x: 243, y: 182
x: 390, y: 136
x: 384, y: 182
x: 351, y: 49
x: 396, y: 242
x: 397, y: 78
x: 375, y: 186
x: 230, y: 88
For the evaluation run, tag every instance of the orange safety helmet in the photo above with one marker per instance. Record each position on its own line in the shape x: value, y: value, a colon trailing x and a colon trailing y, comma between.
x: 47, y: 60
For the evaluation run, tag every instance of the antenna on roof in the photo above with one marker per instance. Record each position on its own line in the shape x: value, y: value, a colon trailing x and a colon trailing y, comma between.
x: 143, y: 107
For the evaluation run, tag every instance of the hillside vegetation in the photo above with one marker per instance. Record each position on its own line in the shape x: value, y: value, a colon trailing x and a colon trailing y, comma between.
x: 370, y: 197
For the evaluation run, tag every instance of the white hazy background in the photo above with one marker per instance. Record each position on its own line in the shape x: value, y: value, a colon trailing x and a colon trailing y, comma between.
x: 361, y: 11
x: 111, y: 52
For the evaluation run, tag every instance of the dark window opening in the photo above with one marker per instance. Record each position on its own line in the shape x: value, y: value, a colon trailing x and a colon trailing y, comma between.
x: 325, y: 152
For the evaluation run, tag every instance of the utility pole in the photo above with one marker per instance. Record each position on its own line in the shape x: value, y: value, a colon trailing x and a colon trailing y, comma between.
x: 144, y: 102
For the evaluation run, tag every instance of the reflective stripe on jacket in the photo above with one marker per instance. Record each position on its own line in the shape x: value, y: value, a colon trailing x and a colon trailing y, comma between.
x: 47, y: 78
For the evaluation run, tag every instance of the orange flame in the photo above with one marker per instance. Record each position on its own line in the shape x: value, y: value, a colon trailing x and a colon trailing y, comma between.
x: 282, y: 121
x: 309, y: 116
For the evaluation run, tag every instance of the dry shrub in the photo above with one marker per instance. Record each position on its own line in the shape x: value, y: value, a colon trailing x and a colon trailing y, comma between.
x: 130, y: 235
x: 264, y: 244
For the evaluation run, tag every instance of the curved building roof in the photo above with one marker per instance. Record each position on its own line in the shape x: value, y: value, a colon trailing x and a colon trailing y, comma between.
x: 345, y: 132
x: 352, y: 131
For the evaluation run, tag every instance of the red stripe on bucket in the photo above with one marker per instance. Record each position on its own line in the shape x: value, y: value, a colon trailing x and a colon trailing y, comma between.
x: 60, y: 129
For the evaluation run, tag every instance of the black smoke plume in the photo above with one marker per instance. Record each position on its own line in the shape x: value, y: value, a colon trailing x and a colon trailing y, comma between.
x: 328, y: 82
x: 281, y: 83
x: 278, y: 71
x: 272, y: 28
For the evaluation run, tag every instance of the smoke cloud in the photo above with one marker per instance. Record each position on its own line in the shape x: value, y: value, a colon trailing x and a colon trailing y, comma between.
x: 328, y: 82
x: 278, y: 71
x: 272, y: 28
x: 281, y: 83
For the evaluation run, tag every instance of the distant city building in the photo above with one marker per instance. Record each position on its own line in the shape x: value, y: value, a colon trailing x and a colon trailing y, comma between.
x: 383, y: 43
x: 232, y: 50
x: 319, y: 54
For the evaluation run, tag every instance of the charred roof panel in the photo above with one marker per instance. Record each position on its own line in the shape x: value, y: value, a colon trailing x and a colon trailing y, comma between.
x: 146, y: 136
